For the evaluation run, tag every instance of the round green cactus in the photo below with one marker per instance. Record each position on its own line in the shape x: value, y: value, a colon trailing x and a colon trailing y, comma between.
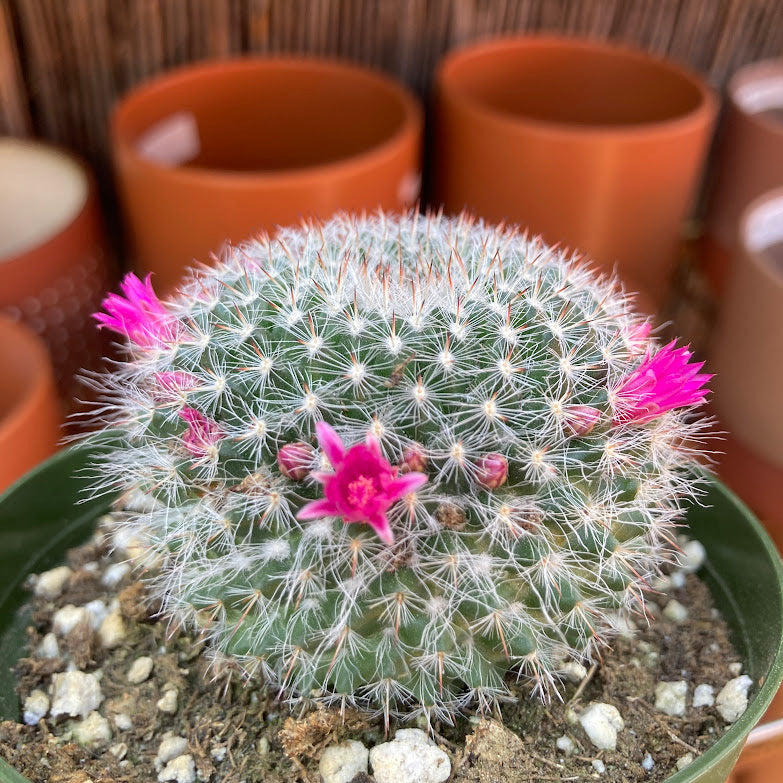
x: 390, y: 459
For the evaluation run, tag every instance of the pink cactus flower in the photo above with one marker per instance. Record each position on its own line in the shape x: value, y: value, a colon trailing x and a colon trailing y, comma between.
x: 363, y: 486
x: 294, y: 460
x: 662, y: 382
x: 202, y: 433
x: 580, y: 419
x: 172, y: 385
x: 492, y: 471
x: 138, y: 314
x: 637, y: 338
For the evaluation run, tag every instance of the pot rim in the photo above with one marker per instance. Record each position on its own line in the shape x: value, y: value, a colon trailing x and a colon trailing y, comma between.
x: 757, y: 254
x: 409, y: 130
x: 447, y: 86
x: 748, y: 76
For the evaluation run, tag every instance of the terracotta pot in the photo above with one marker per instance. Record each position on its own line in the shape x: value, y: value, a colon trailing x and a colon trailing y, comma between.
x: 225, y: 149
x: 748, y: 159
x: 30, y: 413
x: 54, y: 267
x: 592, y: 145
x: 746, y: 357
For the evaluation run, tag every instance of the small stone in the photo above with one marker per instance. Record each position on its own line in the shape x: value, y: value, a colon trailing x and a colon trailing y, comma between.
x: 685, y: 760
x: 675, y: 611
x: 92, y: 730
x: 182, y: 769
x: 566, y: 745
x: 140, y: 670
x: 692, y: 557
x: 598, y: 766
x: 123, y: 721
x: 96, y: 611
x: 703, y: 695
x: 409, y: 757
x: 66, y: 619
x: 112, y: 631
x: 341, y: 763
x: 119, y: 751
x: 601, y: 723
x: 678, y: 580
x: 48, y: 648
x: 50, y: 584
x: 574, y: 672
x: 647, y: 762
x: 168, y: 703
x: 36, y: 705
x: 75, y: 693
x: 114, y: 574
x: 218, y: 753
x: 169, y: 748
x: 735, y: 668
x: 732, y: 700
x: 262, y: 746
x: 670, y: 697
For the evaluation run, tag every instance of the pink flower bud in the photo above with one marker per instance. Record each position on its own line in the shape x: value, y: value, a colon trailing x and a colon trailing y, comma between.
x: 492, y: 471
x: 581, y: 419
x: 295, y: 460
x: 414, y: 459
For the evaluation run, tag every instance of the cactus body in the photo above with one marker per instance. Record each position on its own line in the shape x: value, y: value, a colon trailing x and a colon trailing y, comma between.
x: 472, y: 355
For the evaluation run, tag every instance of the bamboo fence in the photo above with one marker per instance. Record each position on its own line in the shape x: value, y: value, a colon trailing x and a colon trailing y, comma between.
x: 63, y: 63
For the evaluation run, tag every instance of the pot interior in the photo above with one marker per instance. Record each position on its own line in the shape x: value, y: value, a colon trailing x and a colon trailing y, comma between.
x: 270, y: 116
x: 573, y: 84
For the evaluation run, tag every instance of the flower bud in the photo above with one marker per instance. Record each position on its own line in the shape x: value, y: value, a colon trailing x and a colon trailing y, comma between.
x: 581, y: 419
x: 492, y: 471
x: 295, y: 460
x: 414, y: 458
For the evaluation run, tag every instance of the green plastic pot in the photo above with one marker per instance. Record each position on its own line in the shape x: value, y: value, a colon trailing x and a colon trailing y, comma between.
x: 46, y: 512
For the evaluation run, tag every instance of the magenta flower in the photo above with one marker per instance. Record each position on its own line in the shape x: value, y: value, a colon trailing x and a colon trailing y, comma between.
x: 662, y: 382
x: 138, y: 314
x: 363, y: 486
x: 202, y: 433
x: 581, y: 419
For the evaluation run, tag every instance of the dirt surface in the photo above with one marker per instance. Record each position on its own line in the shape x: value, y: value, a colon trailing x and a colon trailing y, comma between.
x: 238, y: 731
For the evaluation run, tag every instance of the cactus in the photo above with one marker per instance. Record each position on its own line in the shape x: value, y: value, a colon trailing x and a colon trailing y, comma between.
x: 389, y: 460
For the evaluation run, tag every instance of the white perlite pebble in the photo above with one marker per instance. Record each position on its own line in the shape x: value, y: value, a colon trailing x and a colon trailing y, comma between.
x: 114, y: 574
x: 36, y: 705
x: 66, y: 619
x: 92, y: 730
x: 48, y: 648
x: 75, y: 693
x: 96, y: 611
x: 692, y: 557
x: 675, y: 611
x: 574, y: 672
x: 647, y: 762
x: 566, y: 745
x: 670, y: 697
x: 703, y: 695
x: 218, y: 752
x: 50, y: 584
x: 169, y: 748
x: 598, y: 766
x: 169, y: 702
x: 735, y: 668
x: 685, y: 760
x: 112, y: 631
x: 119, y: 751
x: 180, y: 770
x: 601, y: 723
x: 409, y: 758
x: 123, y: 721
x: 678, y: 580
x: 732, y: 700
x: 341, y: 763
x: 140, y: 670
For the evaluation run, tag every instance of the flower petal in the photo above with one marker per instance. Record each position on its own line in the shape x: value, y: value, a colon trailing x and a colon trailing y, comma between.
x: 330, y: 443
x: 317, y: 509
x: 380, y: 524
x: 404, y: 485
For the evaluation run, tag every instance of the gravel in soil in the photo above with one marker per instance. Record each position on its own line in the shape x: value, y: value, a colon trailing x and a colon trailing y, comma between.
x: 236, y: 731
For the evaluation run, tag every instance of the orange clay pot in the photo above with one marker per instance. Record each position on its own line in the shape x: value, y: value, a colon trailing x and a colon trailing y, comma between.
x: 748, y: 160
x: 592, y: 145
x: 746, y: 357
x: 223, y: 150
x: 30, y: 414
x: 54, y: 267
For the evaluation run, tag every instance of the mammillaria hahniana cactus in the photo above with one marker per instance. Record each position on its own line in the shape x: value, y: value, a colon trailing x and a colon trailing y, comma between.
x: 391, y: 459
